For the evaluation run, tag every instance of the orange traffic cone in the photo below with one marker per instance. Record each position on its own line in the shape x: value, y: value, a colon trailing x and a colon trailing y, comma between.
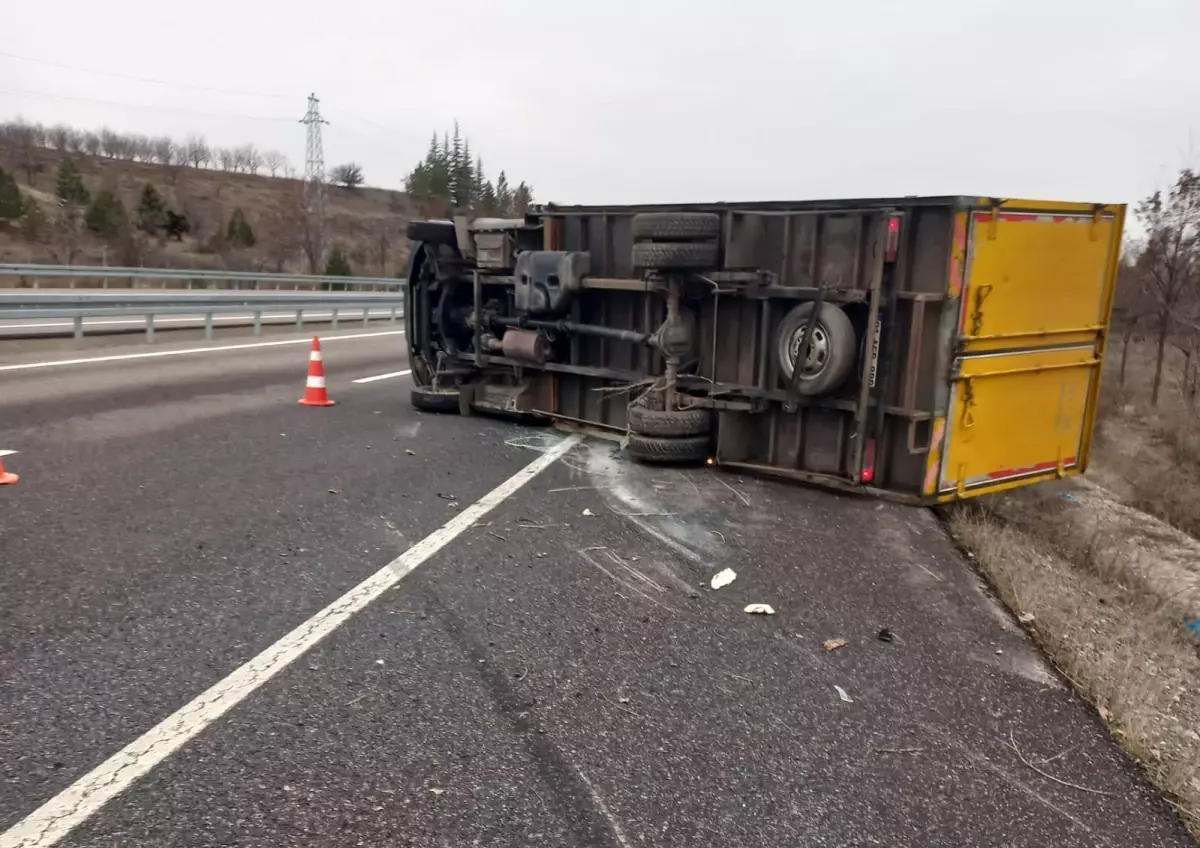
x: 6, y: 479
x: 314, y: 390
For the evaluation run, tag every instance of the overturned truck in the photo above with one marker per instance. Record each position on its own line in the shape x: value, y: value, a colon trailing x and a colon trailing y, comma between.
x: 925, y: 349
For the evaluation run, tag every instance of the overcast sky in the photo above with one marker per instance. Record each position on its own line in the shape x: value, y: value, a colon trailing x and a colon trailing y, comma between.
x: 651, y: 100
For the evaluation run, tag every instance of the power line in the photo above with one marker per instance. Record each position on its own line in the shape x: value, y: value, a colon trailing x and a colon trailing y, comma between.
x: 143, y: 79
x: 19, y: 93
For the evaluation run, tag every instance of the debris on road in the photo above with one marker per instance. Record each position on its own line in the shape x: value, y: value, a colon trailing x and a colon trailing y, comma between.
x: 335, y: 491
x: 446, y: 497
x: 378, y: 662
x: 436, y: 791
x: 410, y: 452
x: 843, y: 695
x: 1026, y: 618
x: 760, y: 609
x: 885, y: 635
x: 724, y: 578
x: 834, y: 644
x: 588, y: 512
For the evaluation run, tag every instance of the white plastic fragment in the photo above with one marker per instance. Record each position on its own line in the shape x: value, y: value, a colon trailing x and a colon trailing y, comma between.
x: 723, y: 578
x: 760, y: 609
x: 588, y: 512
x: 842, y: 694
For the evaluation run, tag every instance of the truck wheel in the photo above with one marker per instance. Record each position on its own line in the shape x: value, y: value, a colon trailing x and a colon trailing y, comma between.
x: 433, y: 232
x: 656, y: 451
x: 675, y: 226
x: 666, y: 255
x: 435, y: 400
x: 831, y: 354
x: 675, y: 422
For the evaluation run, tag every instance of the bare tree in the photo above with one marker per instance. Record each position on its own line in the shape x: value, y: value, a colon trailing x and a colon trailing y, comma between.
x: 92, y: 144
x: 349, y: 175
x: 75, y: 140
x: 251, y: 158
x: 197, y: 151
x: 227, y: 157
x: 110, y: 142
x: 163, y: 150
x: 1169, y: 266
x: 60, y: 137
x: 275, y: 161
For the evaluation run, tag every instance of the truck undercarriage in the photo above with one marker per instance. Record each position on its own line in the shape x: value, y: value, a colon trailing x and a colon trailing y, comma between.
x: 816, y: 341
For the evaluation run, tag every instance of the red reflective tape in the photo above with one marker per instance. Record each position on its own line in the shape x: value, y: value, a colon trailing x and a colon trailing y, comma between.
x: 1032, y: 469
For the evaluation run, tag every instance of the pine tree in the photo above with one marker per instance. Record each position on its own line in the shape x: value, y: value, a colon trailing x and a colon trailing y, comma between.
x: 106, y: 216
x: 151, y: 211
x: 11, y: 205
x: 503, y: 196
x: 239, y: 232
x: 522, y: 199
x: 338, y: 265
x: 484, y: 191
x: 454, y: 166
x: 68, y: 185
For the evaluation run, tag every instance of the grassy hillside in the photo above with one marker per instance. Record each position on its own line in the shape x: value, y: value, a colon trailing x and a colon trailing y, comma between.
x: 367, y: 223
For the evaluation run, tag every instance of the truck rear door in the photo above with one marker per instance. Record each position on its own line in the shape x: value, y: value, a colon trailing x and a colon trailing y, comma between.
x: 1037, y: 285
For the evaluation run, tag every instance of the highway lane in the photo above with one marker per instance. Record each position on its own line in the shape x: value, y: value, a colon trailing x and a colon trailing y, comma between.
x: 559, y: 673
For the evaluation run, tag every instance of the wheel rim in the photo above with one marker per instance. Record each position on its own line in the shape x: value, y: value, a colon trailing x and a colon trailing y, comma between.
x: 818, y: 350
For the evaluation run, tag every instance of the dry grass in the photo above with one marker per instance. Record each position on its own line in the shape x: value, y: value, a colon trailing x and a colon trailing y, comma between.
x: 1110, y: 625
x: 1107, y: 568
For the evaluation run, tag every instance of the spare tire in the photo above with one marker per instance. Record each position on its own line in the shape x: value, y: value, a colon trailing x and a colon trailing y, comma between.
x: 649, y: 449
x: 675, y: 226
x: 434, y: 232
x: 654, y: 256
x: 434, y: 400
x: 675, y: 422
x: 831, y: 354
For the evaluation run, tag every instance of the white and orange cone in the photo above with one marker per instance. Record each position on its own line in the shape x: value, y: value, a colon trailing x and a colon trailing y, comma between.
x: 315, y: 393
x: 6, y: 478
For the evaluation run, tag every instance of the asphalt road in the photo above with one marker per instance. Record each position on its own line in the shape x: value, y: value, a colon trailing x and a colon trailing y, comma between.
x: 367, y: 626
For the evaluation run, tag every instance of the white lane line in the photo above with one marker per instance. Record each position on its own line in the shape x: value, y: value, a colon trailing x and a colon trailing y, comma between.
x: 349, y: 315
x: 382, y: 376
x: 120, y: 357
x: 70, y: 808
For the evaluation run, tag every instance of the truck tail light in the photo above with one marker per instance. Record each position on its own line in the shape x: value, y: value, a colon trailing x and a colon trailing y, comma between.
x: 893, y: 237
x: 868, y: 471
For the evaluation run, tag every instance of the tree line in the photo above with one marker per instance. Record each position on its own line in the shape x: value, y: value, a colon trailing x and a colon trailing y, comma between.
x: 1158, y: 289
x: 24, y: 138
x: 451, y: 178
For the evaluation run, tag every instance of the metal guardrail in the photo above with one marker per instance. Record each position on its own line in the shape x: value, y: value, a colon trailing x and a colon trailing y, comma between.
x: 79, y: 306
x: 31, y: 275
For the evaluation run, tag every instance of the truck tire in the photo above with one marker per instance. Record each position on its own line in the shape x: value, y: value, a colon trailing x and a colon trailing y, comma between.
x: 435, y: 400
x: 656, y: 451
x: 666, y: 255
x: 831, y: 355
x: 433, y: 232
x: 675, y: 422
x: 675, y: 226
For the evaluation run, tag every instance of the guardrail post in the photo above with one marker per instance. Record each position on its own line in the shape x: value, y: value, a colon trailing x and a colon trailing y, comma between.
x: 393, y: 315
x: 300, y: 319
x: 257, y: 323
x: 150, y: 329
x: 366, y: 315
x: 335, y: 318
x: 208, y: 326
x: 77, y: 321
